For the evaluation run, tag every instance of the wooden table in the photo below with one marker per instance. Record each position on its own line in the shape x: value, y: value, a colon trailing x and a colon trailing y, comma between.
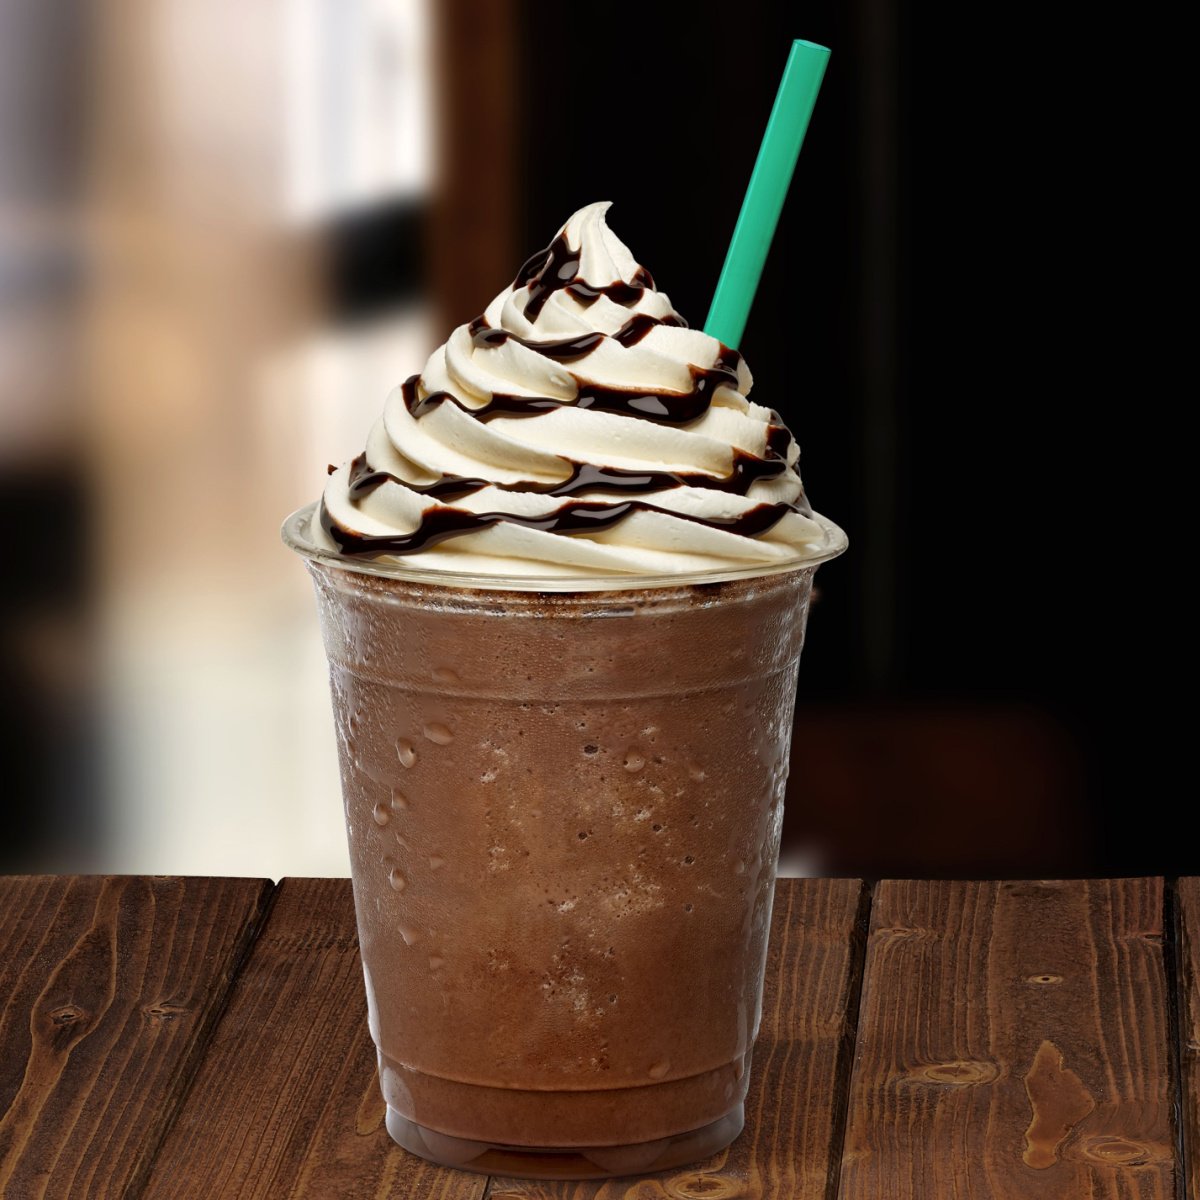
x: 200, y: 1038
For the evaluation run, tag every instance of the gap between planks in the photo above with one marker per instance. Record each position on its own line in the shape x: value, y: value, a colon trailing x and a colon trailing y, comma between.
x: 1183, y: 912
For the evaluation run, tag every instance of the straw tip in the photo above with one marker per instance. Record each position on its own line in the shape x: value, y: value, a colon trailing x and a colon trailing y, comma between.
x: 810, y: 46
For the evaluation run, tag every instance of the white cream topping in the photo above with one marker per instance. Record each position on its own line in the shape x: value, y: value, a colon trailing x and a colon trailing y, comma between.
x: 664, y: 531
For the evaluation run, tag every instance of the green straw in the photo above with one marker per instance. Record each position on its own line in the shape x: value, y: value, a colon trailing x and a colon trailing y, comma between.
x: 767, y: 191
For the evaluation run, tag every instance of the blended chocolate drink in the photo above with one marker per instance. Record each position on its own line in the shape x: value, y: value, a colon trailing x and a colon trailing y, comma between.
x: 563, y: 594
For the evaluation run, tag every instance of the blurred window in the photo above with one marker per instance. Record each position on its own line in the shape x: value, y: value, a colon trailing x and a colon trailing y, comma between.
x: 359, y: 97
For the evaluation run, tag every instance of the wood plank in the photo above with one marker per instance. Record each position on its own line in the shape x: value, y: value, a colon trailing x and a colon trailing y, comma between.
x: 110, y: 988
x: 1013, y: 1042
x: 1187, y: 958
x: 791, y: 1143
x: 286, y: 1103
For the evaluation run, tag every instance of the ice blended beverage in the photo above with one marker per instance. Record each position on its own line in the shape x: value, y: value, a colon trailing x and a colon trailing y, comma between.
x: 563, y: 593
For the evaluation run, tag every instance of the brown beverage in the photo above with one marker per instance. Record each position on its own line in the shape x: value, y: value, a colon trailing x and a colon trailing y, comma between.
x: 564, y: 814
x: 563, y: 592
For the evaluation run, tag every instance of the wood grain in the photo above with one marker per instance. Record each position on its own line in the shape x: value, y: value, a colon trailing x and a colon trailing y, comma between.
x: 286, y: 1103
x: 1187, y: 910
x: 110, y: 988
x: 791, y: 1143
x: 1013, y: 1043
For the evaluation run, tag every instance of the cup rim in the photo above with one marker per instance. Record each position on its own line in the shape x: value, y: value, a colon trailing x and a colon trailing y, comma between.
x: 295, y: 534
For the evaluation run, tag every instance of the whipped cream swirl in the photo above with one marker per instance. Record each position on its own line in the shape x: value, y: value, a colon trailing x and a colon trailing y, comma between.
x: 576, y: 428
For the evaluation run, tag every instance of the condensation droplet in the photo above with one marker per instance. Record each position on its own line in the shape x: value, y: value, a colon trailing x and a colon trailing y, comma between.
x: 436, y: 861
x: 659, y: 1069
x: 409, y: 934
x: 439, y: 734
x: 634, y: 761
x: 405, y: 752
x: 382, y: 813
x: 398, y: 882
x: 399, y: 800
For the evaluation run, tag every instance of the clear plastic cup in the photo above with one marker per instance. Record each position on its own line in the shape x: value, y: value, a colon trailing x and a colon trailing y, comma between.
x: 563, y: 808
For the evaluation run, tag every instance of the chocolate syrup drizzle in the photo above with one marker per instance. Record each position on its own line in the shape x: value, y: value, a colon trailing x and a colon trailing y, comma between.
x: 557, y: 267
x: 586, y: 477
x: 438, y: 524
x: 487, y: 337
x: 550, y: 270
x: 664, y: 408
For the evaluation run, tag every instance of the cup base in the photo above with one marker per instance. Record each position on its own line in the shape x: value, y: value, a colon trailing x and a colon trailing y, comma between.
x: 576, y: 1162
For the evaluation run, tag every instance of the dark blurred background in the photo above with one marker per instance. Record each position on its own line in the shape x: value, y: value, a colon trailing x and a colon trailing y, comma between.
x: 227, y: 230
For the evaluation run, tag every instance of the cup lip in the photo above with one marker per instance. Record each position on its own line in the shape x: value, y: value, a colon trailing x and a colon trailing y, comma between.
x: 295, y: 534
